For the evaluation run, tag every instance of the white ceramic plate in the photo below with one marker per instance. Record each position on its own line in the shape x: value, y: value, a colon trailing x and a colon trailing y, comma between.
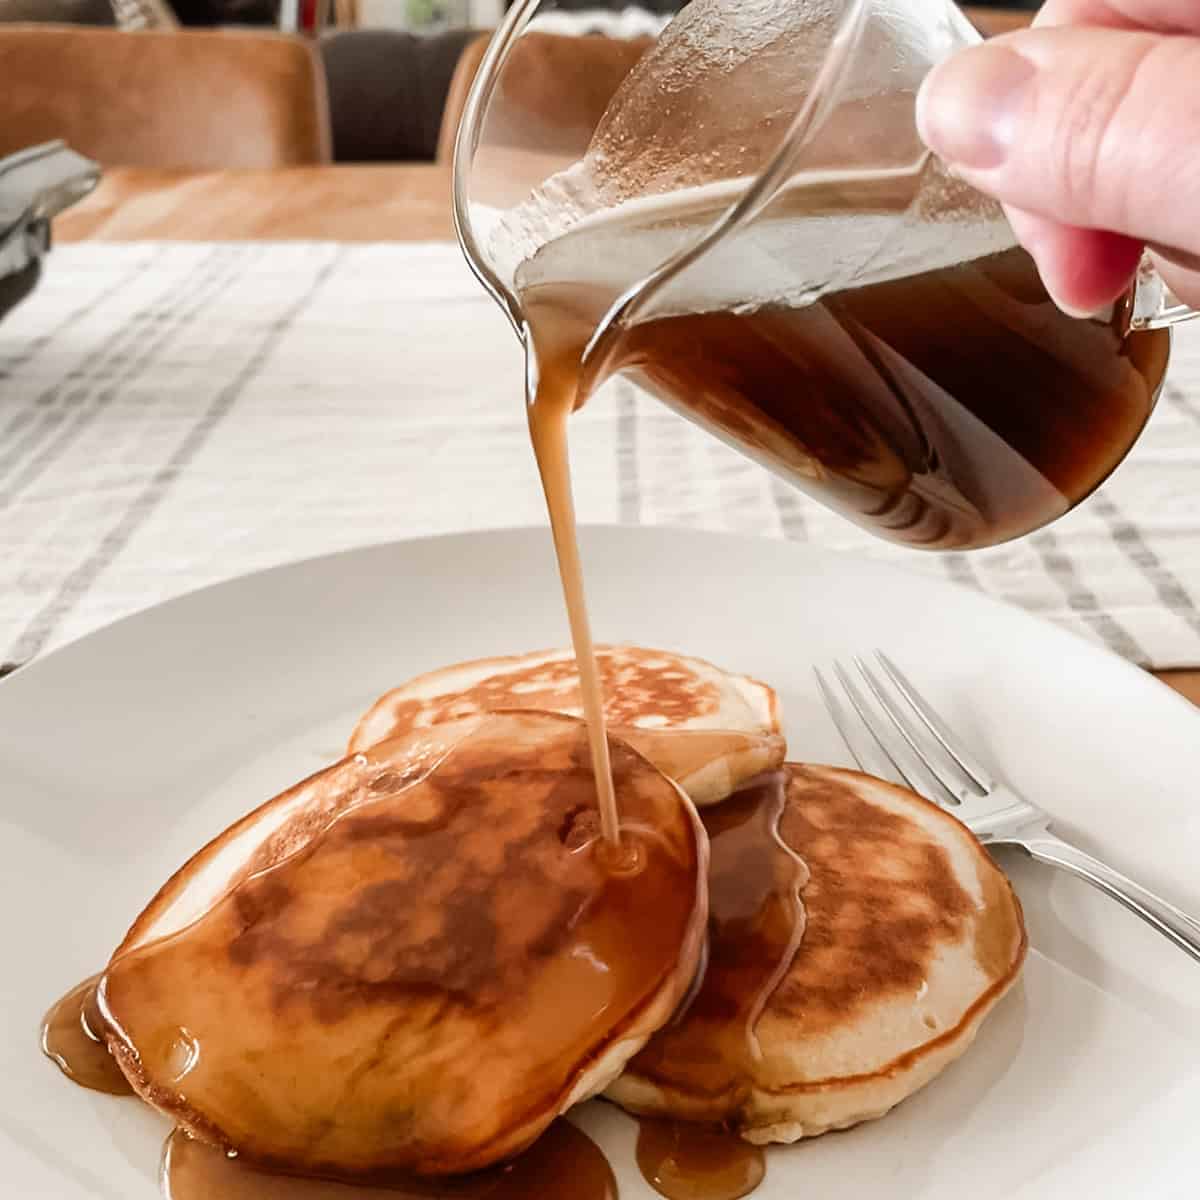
x: 121, y: 754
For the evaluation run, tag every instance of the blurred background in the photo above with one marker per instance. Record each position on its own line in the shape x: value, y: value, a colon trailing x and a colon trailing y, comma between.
x: 384, y: 14
x: 385, y: 78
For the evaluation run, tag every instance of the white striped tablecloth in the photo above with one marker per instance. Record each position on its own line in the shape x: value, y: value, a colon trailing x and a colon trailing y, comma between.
x: 175, y: 414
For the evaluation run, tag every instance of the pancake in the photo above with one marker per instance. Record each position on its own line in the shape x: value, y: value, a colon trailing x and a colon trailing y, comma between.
x: 709, y: 764
x: 858, y: 936
x: 415, y: 959
x: 643, y: 688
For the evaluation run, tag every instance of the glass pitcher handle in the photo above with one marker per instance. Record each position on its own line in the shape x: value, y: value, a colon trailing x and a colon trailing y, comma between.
x: 1154, y: 305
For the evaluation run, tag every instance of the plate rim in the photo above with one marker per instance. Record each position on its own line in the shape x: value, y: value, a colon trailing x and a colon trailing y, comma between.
x: 586, y: 529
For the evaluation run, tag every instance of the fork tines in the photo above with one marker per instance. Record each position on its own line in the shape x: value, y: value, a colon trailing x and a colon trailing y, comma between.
x: 923, y: 753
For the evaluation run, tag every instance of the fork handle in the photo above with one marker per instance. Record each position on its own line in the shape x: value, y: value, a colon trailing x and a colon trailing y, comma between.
x: 1170, y: 921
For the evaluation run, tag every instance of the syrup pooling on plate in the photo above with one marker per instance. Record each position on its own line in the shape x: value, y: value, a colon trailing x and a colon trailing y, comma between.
x: 72, y: 1035
x: 563, y: 1164
x: 756, y: 925
x: 428, y: 979
x: 688, y: 1161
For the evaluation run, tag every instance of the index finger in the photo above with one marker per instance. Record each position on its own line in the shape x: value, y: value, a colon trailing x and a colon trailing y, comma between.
x: 1159, y: 16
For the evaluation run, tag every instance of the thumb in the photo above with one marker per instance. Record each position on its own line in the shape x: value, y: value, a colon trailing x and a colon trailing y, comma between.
x: 1094, y: 128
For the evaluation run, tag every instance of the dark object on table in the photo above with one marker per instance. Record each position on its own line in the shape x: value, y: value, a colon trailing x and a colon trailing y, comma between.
x: 35, y: 185
x: 14, y: 288
x: 57, y: 12
x: 387, y: 91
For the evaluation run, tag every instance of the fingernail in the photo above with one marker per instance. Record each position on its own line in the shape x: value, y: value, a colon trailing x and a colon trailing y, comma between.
x: 1080, y: 314
x: 969, y: 107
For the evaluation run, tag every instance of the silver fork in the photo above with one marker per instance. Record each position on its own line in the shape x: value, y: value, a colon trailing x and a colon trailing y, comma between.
x: 926, y: 755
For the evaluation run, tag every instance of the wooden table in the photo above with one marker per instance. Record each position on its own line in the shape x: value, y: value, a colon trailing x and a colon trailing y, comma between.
x: 1186, y: 683
x: 405, y: 202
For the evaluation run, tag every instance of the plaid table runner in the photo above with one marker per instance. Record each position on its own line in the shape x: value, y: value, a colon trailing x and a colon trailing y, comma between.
x: 174, y: 414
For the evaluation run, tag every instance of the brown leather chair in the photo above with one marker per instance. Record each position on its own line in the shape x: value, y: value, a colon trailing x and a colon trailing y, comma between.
x: 201, y: 100
x: 553, y: 94
x: 456, y: 97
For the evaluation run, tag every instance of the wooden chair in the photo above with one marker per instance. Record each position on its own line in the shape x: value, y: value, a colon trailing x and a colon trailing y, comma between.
x: 456, y: 98
x: 192, y: 99
x: 553, y: 95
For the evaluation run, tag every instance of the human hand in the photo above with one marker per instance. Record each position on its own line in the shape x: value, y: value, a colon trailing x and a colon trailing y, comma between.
x: 1087, y: 128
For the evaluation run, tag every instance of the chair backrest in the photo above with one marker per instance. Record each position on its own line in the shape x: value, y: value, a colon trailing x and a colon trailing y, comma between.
x: 554, y: 91
x: 195, y: 99
x: 456, y: 98
x: 387, y: 90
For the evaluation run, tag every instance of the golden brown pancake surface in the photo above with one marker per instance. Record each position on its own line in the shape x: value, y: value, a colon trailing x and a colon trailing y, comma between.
x: 643, y: 687
x: 909, y: 936
x: 415, y: 959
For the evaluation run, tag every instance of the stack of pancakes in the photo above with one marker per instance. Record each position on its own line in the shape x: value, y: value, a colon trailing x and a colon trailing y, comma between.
x: 420, y: 956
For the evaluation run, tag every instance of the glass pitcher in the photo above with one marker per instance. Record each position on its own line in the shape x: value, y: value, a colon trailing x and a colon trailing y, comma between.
x: 739, y: 214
